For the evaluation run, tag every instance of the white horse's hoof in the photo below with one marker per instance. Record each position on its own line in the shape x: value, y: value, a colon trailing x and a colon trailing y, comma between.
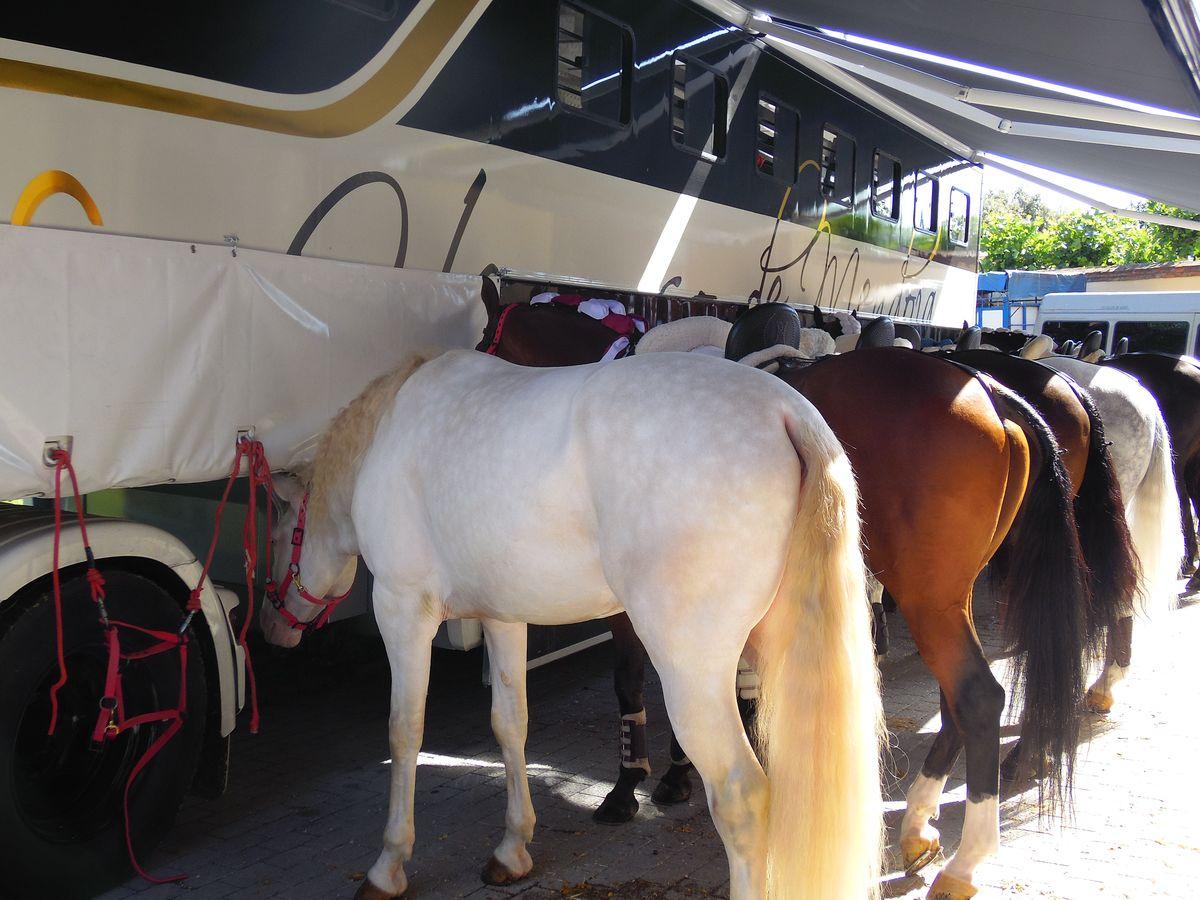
x: 497, y: 874
x: 368, y: 891
x: 919, y: 851
x: 947, y: 887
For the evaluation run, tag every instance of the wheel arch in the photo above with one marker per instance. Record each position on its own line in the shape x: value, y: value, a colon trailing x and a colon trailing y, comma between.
x: 26, y: 560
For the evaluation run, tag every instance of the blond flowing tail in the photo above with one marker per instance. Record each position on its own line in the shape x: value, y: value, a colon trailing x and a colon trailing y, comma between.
x: 820, y: 720
x: 1153, y: 515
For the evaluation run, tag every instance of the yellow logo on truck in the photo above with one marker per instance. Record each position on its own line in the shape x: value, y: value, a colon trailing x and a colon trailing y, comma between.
x: 47, y: 185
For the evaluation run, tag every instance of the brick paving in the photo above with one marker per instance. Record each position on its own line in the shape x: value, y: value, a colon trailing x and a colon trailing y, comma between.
x: 308, y: 796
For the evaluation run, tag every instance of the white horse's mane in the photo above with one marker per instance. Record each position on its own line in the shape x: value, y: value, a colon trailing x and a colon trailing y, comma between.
x: 345, y: 441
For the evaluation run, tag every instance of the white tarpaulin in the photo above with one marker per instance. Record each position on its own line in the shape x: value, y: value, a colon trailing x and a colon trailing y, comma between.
x: 151, y: 355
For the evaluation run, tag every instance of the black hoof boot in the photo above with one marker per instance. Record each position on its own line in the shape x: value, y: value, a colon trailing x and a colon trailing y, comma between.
x: 620, y: 806
x: 675, y: 786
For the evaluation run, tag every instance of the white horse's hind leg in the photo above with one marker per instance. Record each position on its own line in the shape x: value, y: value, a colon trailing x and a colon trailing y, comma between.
x: 408, y: 630
x: 703, y: 710
x: 506, y: 644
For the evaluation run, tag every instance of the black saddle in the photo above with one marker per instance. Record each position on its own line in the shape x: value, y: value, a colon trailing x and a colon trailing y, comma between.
x: 1093, y: 342
x: 1122, y: 347
x: 970, y: 339
x: 909, y: 334
x: 879, y: 332
x: 762, y: 326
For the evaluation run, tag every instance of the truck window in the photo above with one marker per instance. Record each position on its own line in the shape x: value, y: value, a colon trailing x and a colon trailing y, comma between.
x: 1061, y: 330
x: 925, y: 198
x: 699, y: 100
x: 837, y: 166
x: 777, y: 152
x: 1165, y: 337
x: 595, y: 64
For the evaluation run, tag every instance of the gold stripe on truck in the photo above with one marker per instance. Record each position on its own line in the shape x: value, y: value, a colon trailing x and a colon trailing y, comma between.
x: 364, y: 106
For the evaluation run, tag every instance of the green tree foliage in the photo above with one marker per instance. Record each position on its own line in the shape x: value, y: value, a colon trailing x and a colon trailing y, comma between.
x: 1020, y: 232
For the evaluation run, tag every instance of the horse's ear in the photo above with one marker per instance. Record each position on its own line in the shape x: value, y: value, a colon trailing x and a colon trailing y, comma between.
x: 818, y: 319
x: 854, y: 314
x: 288, y: 488
x: 490, y: 297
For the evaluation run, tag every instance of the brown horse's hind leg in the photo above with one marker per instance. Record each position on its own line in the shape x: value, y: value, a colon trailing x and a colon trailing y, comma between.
x: 1117, y: 657
x: 1189, y: 501
x: 629, y: 678
x: 975, y: 701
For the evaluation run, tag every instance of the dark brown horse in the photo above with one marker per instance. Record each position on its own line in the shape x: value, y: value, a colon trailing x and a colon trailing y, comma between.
x: 1175, y: 383
x: 944, y: 459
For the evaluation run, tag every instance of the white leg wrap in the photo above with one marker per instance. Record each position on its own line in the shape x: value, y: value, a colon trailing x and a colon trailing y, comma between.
x: 980, y: 838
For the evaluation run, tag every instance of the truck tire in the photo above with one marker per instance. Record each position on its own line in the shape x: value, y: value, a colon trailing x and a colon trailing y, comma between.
x: 61, y: 801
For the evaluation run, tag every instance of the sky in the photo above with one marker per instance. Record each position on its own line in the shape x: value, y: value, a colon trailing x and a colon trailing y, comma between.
x: 996, y: 180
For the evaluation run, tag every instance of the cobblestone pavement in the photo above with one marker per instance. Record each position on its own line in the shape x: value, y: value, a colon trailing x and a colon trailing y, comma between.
x: 307, y: 799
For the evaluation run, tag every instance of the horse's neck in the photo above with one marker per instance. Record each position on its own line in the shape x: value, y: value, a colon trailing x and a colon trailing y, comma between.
x: 330, y: 519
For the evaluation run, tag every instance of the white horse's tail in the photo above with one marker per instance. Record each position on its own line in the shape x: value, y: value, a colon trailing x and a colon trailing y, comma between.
x: 1154, y: 525
x: 820, y: 720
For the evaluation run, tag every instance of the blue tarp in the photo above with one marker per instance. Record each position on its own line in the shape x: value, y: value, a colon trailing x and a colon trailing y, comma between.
x: 1021, y: 285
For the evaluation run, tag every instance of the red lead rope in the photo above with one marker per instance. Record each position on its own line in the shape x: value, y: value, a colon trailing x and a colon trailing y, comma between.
x: 112, y: 721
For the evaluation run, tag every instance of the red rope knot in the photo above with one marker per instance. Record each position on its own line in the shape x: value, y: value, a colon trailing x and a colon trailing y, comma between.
x: 95, y: 580
x: 194, y: 604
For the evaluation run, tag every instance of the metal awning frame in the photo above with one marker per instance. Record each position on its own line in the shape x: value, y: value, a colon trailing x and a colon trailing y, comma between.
x: 851, y: 69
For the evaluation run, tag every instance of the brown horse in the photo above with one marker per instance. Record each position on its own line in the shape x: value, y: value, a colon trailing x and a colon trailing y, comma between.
x: 1175, y: 383
x: 944, y: 459
x: 1068, y: 409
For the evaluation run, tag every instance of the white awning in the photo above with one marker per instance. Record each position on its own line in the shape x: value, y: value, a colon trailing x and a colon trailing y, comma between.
x: 1104, y: 90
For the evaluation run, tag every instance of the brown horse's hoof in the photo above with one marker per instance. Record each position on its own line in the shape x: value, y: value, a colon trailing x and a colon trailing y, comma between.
x: 615, y: 810
x: 1099, y: 702
x: 918, y: 853
x: 497, y: 874
x: 947, y: 887
x: 672, y: 789
x: 368, y: 891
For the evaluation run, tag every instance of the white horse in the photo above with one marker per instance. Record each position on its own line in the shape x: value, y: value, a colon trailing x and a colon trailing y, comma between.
x: 1141, y: 455
x: 476, y: 488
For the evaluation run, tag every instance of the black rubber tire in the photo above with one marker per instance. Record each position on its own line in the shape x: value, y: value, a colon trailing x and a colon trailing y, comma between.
x: 60, y: 801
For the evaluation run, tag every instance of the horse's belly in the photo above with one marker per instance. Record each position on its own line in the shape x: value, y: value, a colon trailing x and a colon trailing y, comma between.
x: 536, y: 603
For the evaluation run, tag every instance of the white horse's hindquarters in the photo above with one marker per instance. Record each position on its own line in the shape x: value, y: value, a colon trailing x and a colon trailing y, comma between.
x: 543, y: 487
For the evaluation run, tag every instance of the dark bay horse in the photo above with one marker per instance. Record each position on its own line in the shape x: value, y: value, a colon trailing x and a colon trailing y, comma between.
x: 1067, y: 408
x: 944, y: 459
x: 1175, y: 383
x: 1104, y: 536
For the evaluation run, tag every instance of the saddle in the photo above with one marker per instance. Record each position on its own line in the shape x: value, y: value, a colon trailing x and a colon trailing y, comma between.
x: 1092, y: 348
x: 908, y: 333
x: 880, y: 332
x: 970, y: 339
x: 762, y: 326
x: 1039, y: 347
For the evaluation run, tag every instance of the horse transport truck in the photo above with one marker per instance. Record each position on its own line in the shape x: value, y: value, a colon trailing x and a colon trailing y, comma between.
x: 225, y: 223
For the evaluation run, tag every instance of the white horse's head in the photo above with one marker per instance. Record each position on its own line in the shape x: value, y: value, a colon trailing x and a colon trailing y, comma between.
x: 309, y: 567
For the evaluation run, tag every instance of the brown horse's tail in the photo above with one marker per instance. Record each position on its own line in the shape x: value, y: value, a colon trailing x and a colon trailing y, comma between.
x: 1103, y: 532
x: 1047, y: 610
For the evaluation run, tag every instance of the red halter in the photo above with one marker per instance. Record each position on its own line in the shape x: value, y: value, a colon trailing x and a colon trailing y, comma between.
x: 277, y: 594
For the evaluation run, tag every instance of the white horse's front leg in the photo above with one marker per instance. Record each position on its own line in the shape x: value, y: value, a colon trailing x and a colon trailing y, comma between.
x: 408, y: 630
x: 506, y: 643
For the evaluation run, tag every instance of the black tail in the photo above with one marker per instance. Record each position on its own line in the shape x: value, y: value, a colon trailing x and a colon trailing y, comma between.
x: 1047, y: 611
x: 1104, y: 533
